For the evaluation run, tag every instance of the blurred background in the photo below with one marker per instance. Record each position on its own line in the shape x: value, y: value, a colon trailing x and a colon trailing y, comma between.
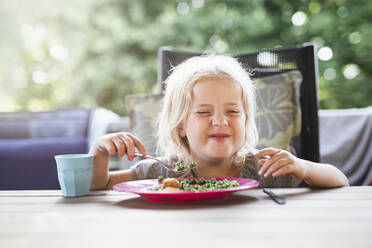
x: 80, y: 53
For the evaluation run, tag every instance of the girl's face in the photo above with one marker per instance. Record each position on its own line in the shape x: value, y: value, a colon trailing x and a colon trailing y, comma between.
x: 215, y: 127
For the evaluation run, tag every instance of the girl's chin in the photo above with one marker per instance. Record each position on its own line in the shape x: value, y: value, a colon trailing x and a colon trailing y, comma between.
x: 219, y: 156
x: 215, y: 153
x: 212, y: 156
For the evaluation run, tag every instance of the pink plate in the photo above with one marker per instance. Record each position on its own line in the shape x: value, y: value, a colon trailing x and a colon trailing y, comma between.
x: 142, y: 188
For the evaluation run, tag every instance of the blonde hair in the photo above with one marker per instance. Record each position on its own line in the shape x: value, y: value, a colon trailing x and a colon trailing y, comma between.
x: 178, y: 101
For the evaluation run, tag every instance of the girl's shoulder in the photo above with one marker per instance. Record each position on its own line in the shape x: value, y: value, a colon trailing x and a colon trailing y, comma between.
x: 250, y: 158
x: 250, y: 165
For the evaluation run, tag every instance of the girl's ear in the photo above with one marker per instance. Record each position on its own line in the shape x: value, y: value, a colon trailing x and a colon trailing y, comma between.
x: 181, y: 131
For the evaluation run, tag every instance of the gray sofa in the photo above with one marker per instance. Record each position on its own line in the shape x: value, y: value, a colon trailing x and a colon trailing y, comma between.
x: 30, y: 140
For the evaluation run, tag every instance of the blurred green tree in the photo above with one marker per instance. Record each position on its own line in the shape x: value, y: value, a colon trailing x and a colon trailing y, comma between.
x: 78, y: 53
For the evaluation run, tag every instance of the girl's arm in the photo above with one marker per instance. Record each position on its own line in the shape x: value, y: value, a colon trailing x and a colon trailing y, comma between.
x: 281, y: 162
x: 323, y: 175
x: 119, y: 144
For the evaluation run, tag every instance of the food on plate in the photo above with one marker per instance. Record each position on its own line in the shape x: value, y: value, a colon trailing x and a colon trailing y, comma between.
x: 193, y: 184
x: 171, y: 182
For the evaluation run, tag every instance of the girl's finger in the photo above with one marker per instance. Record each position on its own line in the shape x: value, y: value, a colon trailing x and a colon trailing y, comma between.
x: 262, y: 162
x: 120, y: 146
x: 101, y: 149
x: 288, y: 169
x: 129, y: 146
x: 138, y: 144
x: 267, y: 152
x: 270, y: 161
x: 276, y: 166
x: 279, y: 155
x: 110, y: 147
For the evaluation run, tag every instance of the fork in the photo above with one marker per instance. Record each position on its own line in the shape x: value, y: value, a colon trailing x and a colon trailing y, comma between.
x: 278, y: 199
x: 169, y: 167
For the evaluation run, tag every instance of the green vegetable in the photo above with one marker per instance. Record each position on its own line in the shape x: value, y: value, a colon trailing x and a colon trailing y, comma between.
x: 192, y: 164
x: 207, y: 184
x: 194, y: 184
x: 180, y: 166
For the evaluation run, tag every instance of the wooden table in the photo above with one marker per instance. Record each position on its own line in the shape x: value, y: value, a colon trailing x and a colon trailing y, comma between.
x: 339, y: 217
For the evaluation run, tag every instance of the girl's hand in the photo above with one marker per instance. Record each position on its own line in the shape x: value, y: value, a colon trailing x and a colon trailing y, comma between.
x: 278, y: 162
x: 118, y: 144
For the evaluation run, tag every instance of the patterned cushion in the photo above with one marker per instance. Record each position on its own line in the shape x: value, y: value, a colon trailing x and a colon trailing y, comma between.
x: 278, y: 109
x: 278, y: 118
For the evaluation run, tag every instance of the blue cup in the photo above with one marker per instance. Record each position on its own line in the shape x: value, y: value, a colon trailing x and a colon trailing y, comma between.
x: 74, y: 173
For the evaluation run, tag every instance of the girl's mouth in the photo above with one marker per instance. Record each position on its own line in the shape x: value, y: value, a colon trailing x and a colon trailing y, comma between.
x: 219, y: 137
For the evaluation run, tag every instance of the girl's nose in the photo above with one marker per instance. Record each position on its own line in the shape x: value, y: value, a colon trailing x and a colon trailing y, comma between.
x: 219, y: 121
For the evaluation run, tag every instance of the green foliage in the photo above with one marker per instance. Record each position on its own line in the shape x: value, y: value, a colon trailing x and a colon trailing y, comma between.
x: 111, y: 46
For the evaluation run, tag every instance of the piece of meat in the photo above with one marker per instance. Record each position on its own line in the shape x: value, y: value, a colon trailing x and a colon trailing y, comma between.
x: 171, y: 182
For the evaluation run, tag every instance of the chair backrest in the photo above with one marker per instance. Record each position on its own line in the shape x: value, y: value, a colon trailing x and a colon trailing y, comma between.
x: 270, y: 62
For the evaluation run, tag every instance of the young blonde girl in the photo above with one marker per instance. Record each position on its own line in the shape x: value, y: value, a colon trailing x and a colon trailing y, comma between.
x: 208, y: 116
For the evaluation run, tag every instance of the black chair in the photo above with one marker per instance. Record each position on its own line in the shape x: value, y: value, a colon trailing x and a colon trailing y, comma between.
x: 269, y: 62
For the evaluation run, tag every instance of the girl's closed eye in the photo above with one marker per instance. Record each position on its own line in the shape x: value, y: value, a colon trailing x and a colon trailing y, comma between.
x: 202, y: 112
x: 233, y: 111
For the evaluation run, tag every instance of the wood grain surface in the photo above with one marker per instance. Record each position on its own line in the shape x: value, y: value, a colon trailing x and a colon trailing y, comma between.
x: 339, y: 217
